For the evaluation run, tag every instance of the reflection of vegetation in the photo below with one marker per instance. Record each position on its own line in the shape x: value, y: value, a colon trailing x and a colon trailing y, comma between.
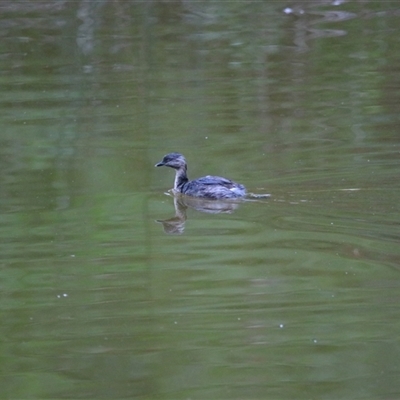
x: 93, y: 92
x: 273, y: 91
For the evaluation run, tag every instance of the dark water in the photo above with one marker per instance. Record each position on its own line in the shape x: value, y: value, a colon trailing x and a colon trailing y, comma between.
x: 296, y: 296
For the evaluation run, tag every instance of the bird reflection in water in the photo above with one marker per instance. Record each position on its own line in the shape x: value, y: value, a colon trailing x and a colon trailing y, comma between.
x: 176, y: 224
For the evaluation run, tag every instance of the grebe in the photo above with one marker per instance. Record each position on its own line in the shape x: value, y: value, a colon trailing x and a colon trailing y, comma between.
x: 208, y: 187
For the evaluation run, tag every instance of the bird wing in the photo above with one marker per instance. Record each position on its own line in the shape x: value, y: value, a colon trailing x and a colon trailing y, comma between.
x: 215, y: 180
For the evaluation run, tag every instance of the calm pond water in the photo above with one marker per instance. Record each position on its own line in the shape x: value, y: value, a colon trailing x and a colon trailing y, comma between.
x: 111, y: 288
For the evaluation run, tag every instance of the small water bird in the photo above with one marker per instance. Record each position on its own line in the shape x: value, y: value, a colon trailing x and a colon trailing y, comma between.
x: 207, y: 187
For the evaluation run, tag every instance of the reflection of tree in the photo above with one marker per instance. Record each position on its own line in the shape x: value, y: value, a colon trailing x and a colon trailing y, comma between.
x: 86, y: 30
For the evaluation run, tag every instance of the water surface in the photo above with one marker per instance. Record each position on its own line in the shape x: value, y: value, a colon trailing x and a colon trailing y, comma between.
x: 296, y: 296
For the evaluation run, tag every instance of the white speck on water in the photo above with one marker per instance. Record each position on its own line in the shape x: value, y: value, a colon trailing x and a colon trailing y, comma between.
x: 281, y: 325
x: 65, y: 295
x: 176, y: 322
x: 315, y: 341
x: 72, y: 255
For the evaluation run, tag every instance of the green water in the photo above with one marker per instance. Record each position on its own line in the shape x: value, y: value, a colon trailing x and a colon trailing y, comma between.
x: 296, y: 296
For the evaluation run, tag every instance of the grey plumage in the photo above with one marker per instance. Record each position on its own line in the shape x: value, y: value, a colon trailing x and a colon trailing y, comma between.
x: 209, y: 187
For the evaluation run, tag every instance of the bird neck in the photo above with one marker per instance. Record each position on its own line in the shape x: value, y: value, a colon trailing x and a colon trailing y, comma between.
x: 180, y: 179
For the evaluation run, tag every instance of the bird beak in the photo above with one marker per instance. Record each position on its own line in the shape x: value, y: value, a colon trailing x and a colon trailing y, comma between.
x: 160, y: 164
